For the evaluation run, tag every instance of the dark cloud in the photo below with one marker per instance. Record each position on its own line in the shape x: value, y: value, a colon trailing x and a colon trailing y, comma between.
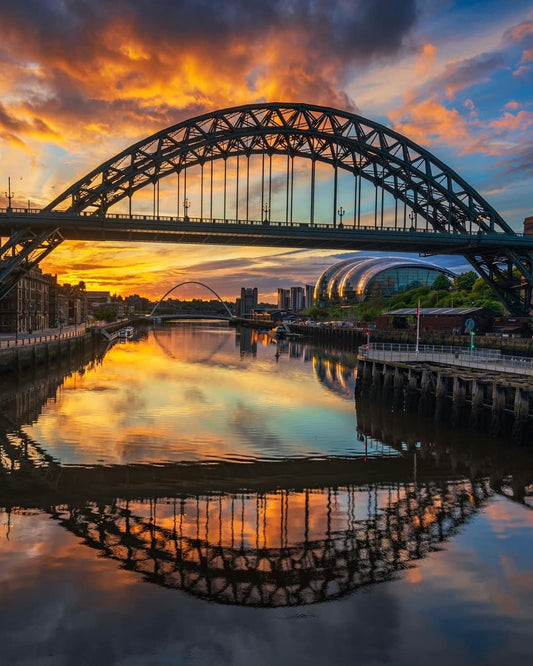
x: 354, y: 28
x: 518, y: 162
x: 464, y: 73
x: 144, y: 62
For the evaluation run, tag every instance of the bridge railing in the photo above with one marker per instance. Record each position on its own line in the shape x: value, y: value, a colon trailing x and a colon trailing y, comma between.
x: 487, y: 359
x: 147, y: 218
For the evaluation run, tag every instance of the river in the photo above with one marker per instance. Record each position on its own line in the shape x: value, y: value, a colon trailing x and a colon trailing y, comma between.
x: 205, y: 495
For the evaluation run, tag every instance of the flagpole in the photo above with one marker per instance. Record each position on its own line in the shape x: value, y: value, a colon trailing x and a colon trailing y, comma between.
x: 417, y: 328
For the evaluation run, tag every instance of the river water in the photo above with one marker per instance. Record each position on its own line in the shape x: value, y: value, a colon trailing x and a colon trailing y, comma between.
x: 205, y: 495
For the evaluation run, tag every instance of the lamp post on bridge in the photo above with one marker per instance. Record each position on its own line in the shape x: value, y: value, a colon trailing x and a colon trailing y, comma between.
x: 9, y: 195
x: 186, y: 206
x: 266, y: 210
x: 341, y: 212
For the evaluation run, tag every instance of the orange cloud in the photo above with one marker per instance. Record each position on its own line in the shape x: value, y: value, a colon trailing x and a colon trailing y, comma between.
x: 527, y: 56
x: 425, y: 59
x: 519, y: 32
x: 512, y: 105
x: 429, y: 122
x: 509, y: 122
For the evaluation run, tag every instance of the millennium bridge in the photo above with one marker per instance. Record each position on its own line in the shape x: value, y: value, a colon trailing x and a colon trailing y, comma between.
x: 277, y: 175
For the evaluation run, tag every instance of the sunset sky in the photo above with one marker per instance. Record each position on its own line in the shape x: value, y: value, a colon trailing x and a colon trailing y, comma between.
x: 80, y: 81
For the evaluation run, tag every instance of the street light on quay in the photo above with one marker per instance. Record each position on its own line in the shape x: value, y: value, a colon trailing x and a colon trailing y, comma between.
x: 341, y: 212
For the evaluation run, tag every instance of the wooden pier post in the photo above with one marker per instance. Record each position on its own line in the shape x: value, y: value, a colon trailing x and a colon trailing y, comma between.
x: 425, y: 403
x: 412, y: 389
x: 521, y: 413
x: 388, y: 382
x: 498, y: 409
x: 478, y: 395
x: 458, y: 400
x: 440, y: 397
x: 398, y: 398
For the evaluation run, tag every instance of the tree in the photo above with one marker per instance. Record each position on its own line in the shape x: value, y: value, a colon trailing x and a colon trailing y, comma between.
x: 465, y: 281
x: 442, y: 283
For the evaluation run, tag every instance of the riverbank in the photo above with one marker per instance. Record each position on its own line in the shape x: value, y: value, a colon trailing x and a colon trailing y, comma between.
x: 26, y: 352
x: 353, y: 337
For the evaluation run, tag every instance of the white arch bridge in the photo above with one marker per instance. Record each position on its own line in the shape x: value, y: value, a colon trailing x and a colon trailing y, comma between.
x: 275, y: 174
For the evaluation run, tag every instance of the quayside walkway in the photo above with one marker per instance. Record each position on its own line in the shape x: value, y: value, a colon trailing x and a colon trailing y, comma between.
x: 481, y: 359
x: 46, y: 335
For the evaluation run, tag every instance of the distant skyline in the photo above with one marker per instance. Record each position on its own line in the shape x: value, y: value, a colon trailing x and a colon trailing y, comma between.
x: 80, y: 81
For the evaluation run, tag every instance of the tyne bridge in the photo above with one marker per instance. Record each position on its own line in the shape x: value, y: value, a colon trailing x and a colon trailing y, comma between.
x: 278, y: 175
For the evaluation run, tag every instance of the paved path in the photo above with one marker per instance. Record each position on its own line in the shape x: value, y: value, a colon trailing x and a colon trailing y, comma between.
x: 21, y: 339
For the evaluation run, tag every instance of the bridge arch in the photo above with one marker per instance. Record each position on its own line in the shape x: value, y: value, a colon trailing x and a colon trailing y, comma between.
x: 346, y: 141
x: 230, y: 314
x: 418, y: 193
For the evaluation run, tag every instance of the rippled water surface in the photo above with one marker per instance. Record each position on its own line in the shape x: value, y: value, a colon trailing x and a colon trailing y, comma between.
x: 203, y: 495
x: 191, y: 392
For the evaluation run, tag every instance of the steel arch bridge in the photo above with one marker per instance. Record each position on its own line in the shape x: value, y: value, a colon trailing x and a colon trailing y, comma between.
x: 434, y: 210
x: 181, y: 284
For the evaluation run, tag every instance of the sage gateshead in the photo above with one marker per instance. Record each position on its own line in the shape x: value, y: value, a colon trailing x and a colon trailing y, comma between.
x: 363, y: 276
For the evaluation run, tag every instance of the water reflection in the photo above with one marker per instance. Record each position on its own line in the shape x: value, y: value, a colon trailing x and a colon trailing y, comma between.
x: 281, y: 525
x: 276, y: 549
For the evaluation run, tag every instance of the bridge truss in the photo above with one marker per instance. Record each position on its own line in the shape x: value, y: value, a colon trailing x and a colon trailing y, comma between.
x: 430, y: 200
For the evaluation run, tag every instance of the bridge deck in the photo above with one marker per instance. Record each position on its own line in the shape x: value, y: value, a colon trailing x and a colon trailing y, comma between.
x: 166, y: 229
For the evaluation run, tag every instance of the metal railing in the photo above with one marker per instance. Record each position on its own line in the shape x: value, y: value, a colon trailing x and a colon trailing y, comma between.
x: 147, y: 218
x: 487, y: 359
x: 25, y: 339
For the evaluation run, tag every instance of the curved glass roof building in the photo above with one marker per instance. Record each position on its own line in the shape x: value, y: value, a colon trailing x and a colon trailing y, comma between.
x: 364, y: 276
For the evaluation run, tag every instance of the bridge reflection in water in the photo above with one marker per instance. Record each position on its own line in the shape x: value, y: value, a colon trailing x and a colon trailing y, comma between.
x: 282, y: 548
x: 269, y: 534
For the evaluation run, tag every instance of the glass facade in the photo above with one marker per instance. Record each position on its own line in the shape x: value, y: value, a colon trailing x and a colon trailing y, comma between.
x: 362, y: 277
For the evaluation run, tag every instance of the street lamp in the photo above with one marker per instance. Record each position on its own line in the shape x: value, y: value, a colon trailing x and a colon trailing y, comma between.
x: 266, y: 210
x: 412, y: 217
x: 186, y: 206
x: 341, y: 212
x: 9, y: 195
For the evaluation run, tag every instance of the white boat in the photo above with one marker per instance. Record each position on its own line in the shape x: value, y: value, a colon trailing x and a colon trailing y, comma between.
x: 126, y: 333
